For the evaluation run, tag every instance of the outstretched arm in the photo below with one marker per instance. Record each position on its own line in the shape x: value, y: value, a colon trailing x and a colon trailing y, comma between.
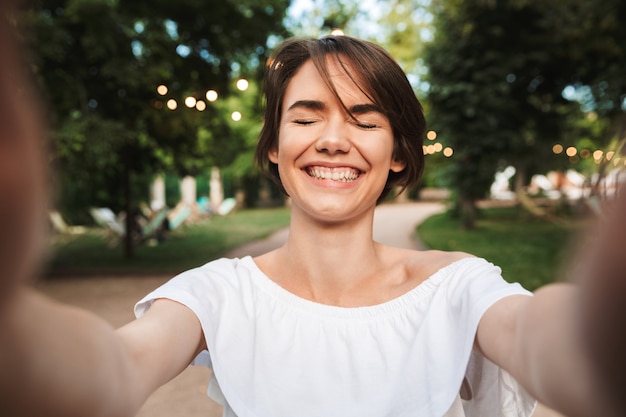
x: 565, y: 344
x: 62, y: 361
x: 57, y: 360
x: 539, y: 341
x: 603, y: 318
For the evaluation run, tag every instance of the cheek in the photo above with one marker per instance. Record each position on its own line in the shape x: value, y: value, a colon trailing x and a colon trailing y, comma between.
x: 380, y: 150
x: 289, y: 146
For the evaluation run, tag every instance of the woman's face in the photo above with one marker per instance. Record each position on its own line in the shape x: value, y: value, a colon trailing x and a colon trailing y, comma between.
x: 332, y: 165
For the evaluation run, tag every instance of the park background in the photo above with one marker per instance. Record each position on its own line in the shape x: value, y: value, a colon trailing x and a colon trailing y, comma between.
x: 154, y: 108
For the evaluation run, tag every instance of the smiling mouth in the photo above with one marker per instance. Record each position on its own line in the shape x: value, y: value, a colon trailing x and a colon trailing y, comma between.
x: 343, y: 174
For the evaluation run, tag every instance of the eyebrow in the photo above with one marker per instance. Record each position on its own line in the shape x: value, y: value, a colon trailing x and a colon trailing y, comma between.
x: 318, y: 105
x: 365, y: 108
x: 307, y: 104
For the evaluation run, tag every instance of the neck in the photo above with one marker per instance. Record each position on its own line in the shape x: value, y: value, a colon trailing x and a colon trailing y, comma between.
x: 326, y: 262
x: 333, y: 241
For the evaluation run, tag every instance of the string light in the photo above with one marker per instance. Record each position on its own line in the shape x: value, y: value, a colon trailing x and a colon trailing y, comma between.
x: 190, y: 102
x: 242, y: 84
x: 211, y: 95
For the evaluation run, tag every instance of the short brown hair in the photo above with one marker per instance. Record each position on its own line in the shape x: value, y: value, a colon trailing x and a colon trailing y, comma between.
x: 376, y: 73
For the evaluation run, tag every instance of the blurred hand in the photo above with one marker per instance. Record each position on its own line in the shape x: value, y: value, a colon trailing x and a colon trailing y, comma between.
x: 22, y: 195
x: 603, y: 281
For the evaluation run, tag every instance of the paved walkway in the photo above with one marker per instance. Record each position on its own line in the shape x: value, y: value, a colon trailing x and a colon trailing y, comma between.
x: 185, y: 396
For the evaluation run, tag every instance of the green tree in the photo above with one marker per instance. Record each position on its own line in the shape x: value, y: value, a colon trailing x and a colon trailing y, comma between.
x: 100, y: 62
x: 320, y: 17
x: 497, y: 71
x: 593, y: 41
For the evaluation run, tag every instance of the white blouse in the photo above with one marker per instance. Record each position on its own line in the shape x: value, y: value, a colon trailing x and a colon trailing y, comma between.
x: 274, y: 354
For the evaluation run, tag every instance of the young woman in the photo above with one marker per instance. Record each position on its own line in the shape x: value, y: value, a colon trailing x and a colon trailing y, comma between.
x: 332, y: 323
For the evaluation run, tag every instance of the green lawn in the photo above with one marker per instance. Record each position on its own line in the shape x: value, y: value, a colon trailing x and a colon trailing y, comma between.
x: 529, y: 250
x: 97, y: 252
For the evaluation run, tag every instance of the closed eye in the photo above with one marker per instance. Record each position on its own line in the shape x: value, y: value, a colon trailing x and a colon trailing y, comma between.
x: 366, y: 125
x: 303, y: 122
x: 374, y: 117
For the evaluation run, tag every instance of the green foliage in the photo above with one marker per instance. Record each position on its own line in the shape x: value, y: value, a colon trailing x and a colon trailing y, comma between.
x: 103, y: 59
x: 99, y: 63
x: 497, y: 72
x: 245, y: 131
x: 529, y: 250
x: 320, y: 17
x: 403, y: 27
x: 99, y: 177
x: 476, y: 68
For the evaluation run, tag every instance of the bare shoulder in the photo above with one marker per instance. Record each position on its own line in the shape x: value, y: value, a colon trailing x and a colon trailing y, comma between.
x: 444, y: 258
x: 420, y: 265
x: 431, y: 261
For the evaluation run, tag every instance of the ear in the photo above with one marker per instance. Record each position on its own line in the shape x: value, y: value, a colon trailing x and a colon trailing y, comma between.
x: 397, y: 166
x: 272, y: 155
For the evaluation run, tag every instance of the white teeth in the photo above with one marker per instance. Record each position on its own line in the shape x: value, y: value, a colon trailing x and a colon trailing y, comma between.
x: 334, y: 174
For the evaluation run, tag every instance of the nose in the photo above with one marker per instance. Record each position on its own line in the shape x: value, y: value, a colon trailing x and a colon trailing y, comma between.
x: 334, y: 138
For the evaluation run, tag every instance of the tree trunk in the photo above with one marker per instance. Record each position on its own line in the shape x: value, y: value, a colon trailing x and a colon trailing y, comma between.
x: 129, y: 220
x: 467, y: 212
x: 520, y: 179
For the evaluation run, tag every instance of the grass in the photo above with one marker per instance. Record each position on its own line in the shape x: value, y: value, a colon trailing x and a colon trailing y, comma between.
x: 530, y: 251
x: 95, y: 252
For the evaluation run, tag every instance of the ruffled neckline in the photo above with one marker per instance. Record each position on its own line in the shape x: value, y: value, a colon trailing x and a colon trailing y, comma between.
x: 414, y: 296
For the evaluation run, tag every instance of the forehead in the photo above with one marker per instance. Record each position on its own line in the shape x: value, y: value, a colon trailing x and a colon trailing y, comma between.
x: 309, y: 82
